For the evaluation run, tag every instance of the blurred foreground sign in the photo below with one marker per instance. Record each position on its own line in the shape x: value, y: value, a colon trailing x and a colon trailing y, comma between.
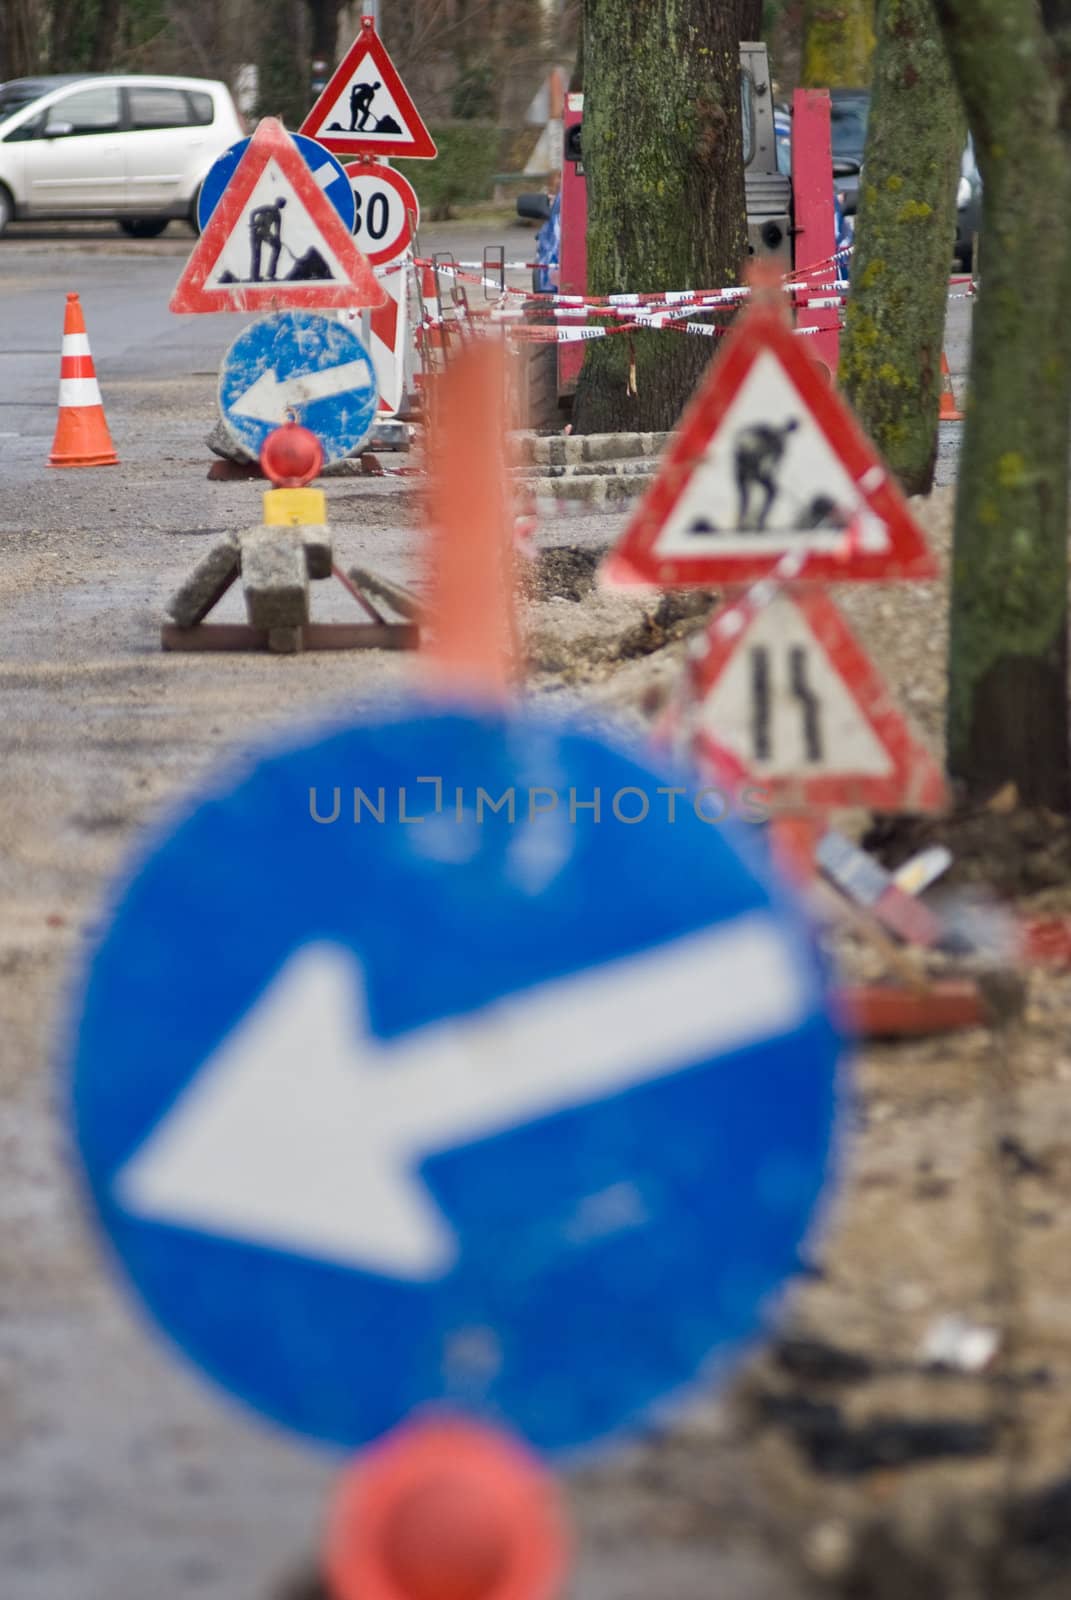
x: 454, y: 1058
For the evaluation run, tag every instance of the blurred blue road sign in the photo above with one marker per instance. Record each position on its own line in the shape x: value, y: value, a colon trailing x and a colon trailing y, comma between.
x: 302, y: 365
x: 387, y: 1097
x: 325, y: 168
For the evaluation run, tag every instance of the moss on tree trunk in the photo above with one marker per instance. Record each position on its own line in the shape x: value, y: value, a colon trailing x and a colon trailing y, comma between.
x: 838, y: 38
x: 1007, y: 707
x: 890, y: 364
x: 663, y: 159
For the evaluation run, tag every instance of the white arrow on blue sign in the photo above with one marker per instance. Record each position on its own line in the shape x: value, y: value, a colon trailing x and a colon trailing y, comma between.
x: 300, y: 366
x: 440, y: 1100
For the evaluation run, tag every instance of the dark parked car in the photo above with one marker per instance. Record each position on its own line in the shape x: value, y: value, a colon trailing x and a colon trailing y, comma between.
x: 849, y: 109
x: 968, y: 207
x: 848, y: 112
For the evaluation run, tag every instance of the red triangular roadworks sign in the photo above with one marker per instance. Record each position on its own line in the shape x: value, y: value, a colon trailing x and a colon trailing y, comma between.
x: 768, y: 460
x: 365, y: 110
x: 795, y: 701
x: 274, y: 240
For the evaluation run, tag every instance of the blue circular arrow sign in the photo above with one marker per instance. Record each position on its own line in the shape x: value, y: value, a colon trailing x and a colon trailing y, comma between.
x: 299, y: 365
x: 410, y: 1071
x: 325, y: 168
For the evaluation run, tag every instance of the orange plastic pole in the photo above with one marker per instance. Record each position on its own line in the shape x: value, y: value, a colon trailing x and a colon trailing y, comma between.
x: 472, y: 648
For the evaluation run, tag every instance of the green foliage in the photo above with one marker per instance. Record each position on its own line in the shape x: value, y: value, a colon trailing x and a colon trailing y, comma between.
x: 464, y: 171
x: 473, y: 99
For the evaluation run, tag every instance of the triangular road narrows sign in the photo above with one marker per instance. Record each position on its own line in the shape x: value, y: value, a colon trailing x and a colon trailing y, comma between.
x: 768, y: 460
x: 796, y: 703
x: 365, y: 110
x: 274, y: 240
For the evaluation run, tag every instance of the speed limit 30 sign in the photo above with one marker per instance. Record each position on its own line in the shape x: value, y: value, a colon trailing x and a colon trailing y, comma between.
x: 388, y: 211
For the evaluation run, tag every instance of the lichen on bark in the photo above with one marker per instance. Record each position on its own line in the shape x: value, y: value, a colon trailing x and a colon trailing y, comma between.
x: 1007, y: 704
x: 838, y: 39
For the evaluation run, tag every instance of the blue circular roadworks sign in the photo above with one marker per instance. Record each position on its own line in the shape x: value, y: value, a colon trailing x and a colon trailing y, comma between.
x: 301, y: 366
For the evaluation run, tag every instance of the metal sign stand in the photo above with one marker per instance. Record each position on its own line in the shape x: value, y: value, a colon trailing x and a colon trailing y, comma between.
x: 276, y: 562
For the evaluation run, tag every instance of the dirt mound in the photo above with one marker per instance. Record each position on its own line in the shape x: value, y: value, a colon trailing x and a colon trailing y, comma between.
x: 564, y: 572
x: 1012, y: 852
x: 583, y: 632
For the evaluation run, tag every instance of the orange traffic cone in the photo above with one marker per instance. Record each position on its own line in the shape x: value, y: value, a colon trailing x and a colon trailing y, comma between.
x: 949, y: 411
x: 82, y: 437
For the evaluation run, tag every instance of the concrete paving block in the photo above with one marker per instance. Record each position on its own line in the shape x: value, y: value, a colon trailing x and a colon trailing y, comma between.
x: 209, y: 580
x: 563, y: 450
x: 285, y: 641
x: 319, y: 554
x: 275, y: 577
x: 223, y: 443
x: 400, y: 599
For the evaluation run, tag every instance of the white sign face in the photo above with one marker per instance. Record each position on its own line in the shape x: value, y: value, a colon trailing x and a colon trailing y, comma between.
x: 782, y: 707
x: 768, y: 470
x: 275, y: 240
x: 388, y: 211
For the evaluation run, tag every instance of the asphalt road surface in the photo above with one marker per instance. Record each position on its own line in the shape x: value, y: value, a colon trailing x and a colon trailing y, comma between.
x: 123, y: 1475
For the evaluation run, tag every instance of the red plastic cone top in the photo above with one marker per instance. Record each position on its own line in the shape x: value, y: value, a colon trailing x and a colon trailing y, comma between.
x: 82, y: 438
x: 446, y: 1510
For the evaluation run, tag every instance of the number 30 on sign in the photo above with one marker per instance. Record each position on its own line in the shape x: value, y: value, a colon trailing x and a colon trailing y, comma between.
x: 388, y: 212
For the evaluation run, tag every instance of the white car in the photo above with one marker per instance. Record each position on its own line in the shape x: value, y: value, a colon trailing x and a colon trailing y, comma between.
x: 133, y: 148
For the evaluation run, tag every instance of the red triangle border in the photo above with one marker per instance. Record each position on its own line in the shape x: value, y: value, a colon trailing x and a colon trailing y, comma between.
x: 633, y: 559
x: 914, y: 784
x: 420, y: 145
x: 271, y: 141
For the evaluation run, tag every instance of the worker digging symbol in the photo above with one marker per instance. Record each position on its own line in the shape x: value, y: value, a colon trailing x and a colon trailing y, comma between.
x: 266, y: 228
x: 361, y: 96
x: 758, y: 452
x: 361, y: 118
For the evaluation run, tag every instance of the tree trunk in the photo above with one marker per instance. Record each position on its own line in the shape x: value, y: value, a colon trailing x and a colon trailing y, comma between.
x: 749, y: 18
x: 105, y: 34
x: 890, y: 364
x: 323, y: 27
x: 838, y: 38
x: 73, y: 22
x: 20, y: 35
x: 663, y: 159
x: 283, y: 67
x: 1007, y: 706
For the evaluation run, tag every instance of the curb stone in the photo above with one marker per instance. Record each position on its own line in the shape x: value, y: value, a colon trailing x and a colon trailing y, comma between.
x: 563, y: 450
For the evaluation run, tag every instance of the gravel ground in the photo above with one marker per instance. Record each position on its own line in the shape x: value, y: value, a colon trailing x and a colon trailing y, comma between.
x: 840, y: 1459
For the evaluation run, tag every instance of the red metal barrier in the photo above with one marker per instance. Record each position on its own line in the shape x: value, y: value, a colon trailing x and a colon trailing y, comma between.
x: 812, y: 191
